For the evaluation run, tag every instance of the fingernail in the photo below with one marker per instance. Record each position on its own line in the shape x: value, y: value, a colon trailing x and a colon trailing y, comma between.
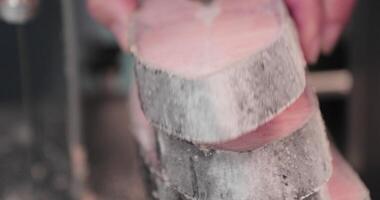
x: 330, y: 37
x: 313, y: 51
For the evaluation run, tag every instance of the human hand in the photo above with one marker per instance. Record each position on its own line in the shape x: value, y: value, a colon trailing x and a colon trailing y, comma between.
x: 320, y: 23
x: 115, y: 15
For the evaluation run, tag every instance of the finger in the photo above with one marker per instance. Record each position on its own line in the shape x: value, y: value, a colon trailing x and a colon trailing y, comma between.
x: 337, y: 13
x: 115, y: 15
x: 345, y: 184
x: 308, y: 17
x: 109, y: 12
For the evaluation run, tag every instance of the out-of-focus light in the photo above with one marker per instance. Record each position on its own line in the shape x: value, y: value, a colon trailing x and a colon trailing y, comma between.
x: 18, y: 11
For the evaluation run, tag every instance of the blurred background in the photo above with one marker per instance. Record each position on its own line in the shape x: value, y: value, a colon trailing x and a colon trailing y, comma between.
x: 64, y: 86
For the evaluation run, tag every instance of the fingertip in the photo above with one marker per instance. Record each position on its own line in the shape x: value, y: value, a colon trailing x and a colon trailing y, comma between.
x: 330, y: 37
x: 336, y: 16
x: 120, y: 32
x: 312, y: 50
x: 115, y: 15
x: 308, y: 15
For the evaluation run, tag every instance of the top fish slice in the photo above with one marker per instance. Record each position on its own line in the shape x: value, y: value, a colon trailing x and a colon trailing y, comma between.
x: 233, y: 89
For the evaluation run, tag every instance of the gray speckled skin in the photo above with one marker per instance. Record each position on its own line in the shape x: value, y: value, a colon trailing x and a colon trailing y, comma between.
x: 288, y: 169
x: 322, y: 194
x: 228, y: 103
x: 164, y: 192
